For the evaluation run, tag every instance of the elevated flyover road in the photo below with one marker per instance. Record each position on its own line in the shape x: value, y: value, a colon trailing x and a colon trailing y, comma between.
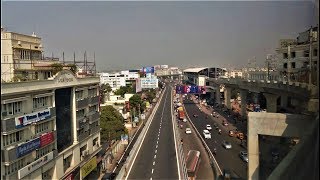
x: 226, y: 158
x: 156, y: 157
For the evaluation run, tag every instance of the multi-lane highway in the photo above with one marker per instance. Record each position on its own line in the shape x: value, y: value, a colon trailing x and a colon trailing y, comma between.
x: 227, y: 159
x: 156, y: 158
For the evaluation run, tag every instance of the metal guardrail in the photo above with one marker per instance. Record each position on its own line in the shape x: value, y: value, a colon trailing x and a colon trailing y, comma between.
x: 214, y: 164
x: 181, y: 159
x: 129, y: 161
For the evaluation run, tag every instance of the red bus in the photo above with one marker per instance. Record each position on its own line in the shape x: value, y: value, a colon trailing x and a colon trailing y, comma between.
x: 192, y: 163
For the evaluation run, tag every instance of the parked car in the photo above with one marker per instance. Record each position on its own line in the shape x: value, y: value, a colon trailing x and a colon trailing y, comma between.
x: 244, y: 156
x: 226, y: 144
x: 206, y: 134
x: 209, y: 127
x: 184, y: 120
x: 188, y: 131
x: 195, y: 115
x: 244, y: 144
x: 109, y: 176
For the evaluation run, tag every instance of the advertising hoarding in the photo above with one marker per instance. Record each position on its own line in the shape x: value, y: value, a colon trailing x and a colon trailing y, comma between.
x: 148, y: 69
x: 28, y: 147
x: 32, y: 117
x: 35, y: 165
x: 185, y: 89
x: 149, y: 83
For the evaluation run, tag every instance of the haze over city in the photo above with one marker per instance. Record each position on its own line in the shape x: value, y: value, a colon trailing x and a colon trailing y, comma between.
x: 126, y: 35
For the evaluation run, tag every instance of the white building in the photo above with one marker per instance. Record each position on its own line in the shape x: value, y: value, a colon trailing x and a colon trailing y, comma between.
x: 116, y: 80
x: 50, y: 128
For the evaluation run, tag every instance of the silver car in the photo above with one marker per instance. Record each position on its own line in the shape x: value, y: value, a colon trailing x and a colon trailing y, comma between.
x: 226, y: 144
x: 244, y: 156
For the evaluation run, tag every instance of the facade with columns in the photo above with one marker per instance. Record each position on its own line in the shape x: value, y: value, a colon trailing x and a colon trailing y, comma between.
x: 50, y: 128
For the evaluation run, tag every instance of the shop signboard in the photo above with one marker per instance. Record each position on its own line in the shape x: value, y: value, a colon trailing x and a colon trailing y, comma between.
x: 35, y: 165
x: 88, y: 167
x: 46, y: 139
x: 148, y: 69
x: 184, y: 89
x: 32, y: 117
x: 28, y: 147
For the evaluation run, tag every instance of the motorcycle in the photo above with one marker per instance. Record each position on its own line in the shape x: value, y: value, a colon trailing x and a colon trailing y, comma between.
x: 219, y: 131
x: 214, y: 151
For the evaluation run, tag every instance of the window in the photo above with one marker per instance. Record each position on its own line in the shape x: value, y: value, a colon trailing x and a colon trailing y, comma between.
x: 285, y: 55
x: 12, y: 138
x: 95, y: 141
x: 306, y: 53
x: 12, y: 108
x: 14, y: 166
x: 293, y: 54
x: 79, y: 95
x: 40, y: 102
x: 67, y: 162
x: 285, y: 65
x: 42, y: 127
x: 93, y: 108
x: 43, y: 151
x: 92, y: 92
x: 80, y: 113
x: 293, y: 65
x: 315, y: 52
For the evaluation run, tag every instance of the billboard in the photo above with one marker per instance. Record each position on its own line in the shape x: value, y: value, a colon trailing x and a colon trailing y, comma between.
x: 148, y: 69
x: 32, y: 117
x: 28, y: 147
x: 46, y: 139
x: 88, y: 167
x: 186, y: 89
x: 149, y: 83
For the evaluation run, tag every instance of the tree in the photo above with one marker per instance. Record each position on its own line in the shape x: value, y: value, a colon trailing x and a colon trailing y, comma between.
x: 111, y: 123
x: 56, y: 67
x: 123, y: 90
x: 135, y: 101
x: 151, y: 94
x: 104, y: 88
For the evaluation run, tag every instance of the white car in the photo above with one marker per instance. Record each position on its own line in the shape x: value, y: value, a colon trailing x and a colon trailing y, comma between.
x: 226, y: 144
x: 206, y: 134
x: 184, y: 120
x: 209, y: 127
x: 188, y: 131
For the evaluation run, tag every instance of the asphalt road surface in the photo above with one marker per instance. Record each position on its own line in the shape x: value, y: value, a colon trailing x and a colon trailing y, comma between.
x: 226, y: 158
x: 156, y: 158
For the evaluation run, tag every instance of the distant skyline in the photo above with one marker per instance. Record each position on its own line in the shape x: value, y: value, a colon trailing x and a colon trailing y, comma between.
x: 129, y: 35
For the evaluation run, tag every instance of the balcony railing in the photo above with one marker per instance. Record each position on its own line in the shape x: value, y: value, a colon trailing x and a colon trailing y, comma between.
x: 83, y: 136
x: 80, y: 104
x: 94, y: 100
x: 94, y: 117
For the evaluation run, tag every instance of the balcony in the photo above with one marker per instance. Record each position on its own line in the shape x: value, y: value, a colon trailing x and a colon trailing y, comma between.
x: 83, y: 136
x: 10, y: 124
x: 94, y: 117
x: 80, y: 104
x: 94, y: 129
x: 94, y: 100
x: 10, y: 154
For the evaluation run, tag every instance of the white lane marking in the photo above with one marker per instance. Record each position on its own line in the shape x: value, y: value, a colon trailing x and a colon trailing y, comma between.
x: 155, y: 156
x: 158, y: 134
x: 158, y: 138
x: 150, y: 178
x: 157, y: 144
x: 152, y: 171
x: 153, y: 114
x: 153, y: 163
x: 155, y: 151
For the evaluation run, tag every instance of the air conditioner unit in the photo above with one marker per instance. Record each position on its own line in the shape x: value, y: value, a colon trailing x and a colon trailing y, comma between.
x: 4, y: 113
x: 19, y: 42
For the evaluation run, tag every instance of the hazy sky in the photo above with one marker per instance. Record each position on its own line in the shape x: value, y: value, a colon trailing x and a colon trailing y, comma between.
x: 127, y: 35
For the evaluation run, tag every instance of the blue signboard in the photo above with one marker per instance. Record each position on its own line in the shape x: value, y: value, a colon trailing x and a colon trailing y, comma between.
x: 190, y: 89
x: 28, y: 147
x: 148, y: 69
x: 179, y: 89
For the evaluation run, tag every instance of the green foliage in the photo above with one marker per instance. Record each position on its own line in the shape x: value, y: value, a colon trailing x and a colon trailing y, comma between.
x: 104, y: 88
x: 56, y: 67
x: 111, y: 123
x: 123, y: 90
x: 73, y: 68
x: 135, y: 101
x: 151, y: 94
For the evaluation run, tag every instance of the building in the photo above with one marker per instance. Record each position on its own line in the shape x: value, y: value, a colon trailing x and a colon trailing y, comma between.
x: 296, y: 56
x: 21, y: 57
x: 116, y: 80
x: 196, y: 76
x: 236, y: 73
x: 50, y: 128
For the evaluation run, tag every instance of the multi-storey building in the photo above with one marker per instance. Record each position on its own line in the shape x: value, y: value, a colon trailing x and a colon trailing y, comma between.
x: 50, y: 128
x: 116, y: 80
x: 299, y: 57
x: 49, y: 122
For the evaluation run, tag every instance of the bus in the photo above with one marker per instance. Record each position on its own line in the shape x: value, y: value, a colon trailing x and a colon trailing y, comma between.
x: 192, y: 163
x: 181, y: 115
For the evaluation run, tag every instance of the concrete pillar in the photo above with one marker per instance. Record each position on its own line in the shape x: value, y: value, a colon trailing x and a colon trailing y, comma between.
x: 253, y: 155
x: 271, y: 102
x: 284, y: 101
x: 227, y: 97
x: 243, y: 96
x: 74, y: 115
x: 218, y: 96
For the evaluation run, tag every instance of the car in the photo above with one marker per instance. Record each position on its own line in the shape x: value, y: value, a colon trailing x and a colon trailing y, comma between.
x: 209, y: 127
x: 195, y: 115
x: 244, y: 156
x: 226, y: 144
x: 231, y: 133
x: 206, y: 134
x: 243, y: 144
x: 188, y: 130
x: 184, y: 120
x: 224, y: 123
x: 109, y: 176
